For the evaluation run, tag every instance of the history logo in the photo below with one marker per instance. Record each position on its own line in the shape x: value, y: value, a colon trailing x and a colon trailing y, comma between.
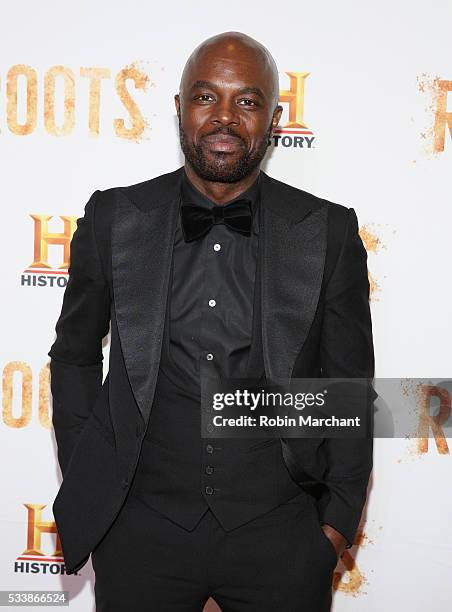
x: 295, y: 133
x: 40, y: 272
x: 34, y: 559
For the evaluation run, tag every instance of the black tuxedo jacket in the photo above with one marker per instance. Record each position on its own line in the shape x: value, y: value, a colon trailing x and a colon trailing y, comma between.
x: 313, y: 320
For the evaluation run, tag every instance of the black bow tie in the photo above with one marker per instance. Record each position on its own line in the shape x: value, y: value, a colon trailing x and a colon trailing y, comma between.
x: 198, y: 220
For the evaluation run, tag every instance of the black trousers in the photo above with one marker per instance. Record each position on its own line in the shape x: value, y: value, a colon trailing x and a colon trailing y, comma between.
x: 280, y: 562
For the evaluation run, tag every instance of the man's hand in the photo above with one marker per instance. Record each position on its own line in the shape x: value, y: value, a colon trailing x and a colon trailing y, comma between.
x: 337, y: 539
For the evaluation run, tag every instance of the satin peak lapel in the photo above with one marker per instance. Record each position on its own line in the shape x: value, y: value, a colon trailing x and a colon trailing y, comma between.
x: 294, y: 232
x: 142, y: 245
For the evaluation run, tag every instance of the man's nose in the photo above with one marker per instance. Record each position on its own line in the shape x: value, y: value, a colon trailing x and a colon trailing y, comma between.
x: 225, y: 113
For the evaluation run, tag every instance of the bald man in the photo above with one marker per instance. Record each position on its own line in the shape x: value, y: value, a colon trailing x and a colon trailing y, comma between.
x: 215, y: 270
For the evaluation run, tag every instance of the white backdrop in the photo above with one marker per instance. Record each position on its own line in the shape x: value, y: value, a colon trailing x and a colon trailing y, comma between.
x: 376, y: 104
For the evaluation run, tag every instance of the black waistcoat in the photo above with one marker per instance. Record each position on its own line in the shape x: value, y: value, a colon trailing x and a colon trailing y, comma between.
x: 181, y: 474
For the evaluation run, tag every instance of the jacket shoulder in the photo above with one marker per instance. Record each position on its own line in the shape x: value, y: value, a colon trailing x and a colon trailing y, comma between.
x: 159, y: 189
x: 337, y: 213
x: 295, y: 193
x: 159, y: 182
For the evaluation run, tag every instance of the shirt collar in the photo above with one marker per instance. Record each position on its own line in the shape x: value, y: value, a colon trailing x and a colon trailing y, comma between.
x: 190, y: 194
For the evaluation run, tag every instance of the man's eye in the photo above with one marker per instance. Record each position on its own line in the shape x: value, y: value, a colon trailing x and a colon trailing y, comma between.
x: 204, y: 97
x: 247, y: 102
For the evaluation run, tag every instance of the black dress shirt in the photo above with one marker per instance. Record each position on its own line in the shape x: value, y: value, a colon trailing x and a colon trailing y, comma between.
x: 211, y: 309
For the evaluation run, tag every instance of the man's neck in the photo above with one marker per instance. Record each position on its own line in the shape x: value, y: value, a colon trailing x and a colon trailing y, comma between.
x: 220, y: 192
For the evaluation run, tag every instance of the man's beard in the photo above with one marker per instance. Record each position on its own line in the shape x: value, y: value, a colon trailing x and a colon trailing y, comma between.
x: 220, y: 169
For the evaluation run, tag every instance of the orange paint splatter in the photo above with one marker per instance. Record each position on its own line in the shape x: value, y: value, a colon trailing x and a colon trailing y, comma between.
x: 372, y: 243
x: 435, y: 90
x: 371, y: 240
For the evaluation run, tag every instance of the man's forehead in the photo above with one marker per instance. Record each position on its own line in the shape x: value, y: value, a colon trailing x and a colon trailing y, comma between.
x: 222, y: 68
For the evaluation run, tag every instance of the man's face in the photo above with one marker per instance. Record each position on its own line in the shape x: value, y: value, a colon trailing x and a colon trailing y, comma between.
x: 226, y: 115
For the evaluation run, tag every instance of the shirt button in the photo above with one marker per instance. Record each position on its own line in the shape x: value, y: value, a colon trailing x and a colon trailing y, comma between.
x: 209, y: 469
x: 216, y: 247
x: 212, y: 303
x: 125, y: 483
x: 209, y: 448
x: 209, y: 356
x: 209, y: 490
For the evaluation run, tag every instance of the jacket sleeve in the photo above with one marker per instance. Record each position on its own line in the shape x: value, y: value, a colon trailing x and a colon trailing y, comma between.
x: 347, y: 352
x: 76, y: 354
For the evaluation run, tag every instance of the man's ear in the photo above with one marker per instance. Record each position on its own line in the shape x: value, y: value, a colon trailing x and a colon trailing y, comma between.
x: 276, y: 116
x: 177, y: 103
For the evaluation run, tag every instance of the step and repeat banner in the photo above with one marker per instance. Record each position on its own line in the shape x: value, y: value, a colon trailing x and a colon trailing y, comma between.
x: 87, y: 102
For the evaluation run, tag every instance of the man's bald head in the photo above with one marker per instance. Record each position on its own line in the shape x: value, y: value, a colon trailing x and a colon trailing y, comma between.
x: 237, y: 47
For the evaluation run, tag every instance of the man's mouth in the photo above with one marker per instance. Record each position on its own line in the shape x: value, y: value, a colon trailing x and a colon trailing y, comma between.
x: 223, y: 143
